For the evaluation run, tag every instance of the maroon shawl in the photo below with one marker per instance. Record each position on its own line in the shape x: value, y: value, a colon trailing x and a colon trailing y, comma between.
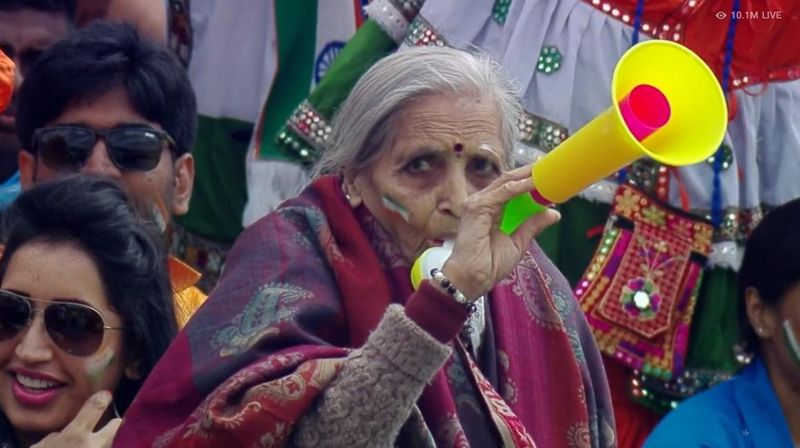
x: 305, y: 285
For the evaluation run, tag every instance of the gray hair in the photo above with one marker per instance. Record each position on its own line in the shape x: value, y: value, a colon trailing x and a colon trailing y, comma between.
x: 365, y: 120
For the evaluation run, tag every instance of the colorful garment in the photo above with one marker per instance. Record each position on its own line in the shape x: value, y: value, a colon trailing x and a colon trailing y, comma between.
x: 743, y: 412
x: 282, y: 49
x: 187, y: 296
x: 305, y: 286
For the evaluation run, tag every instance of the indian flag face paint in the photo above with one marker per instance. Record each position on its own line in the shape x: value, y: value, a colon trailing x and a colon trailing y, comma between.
x: 791, y: 339
x: 394, y: 205
x: 98, y: 366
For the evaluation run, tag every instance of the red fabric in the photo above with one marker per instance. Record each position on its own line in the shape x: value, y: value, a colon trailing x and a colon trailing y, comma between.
x: 634, y: 422
x: 765, y: 45
x: 309, y: 282
x: 436, y: 312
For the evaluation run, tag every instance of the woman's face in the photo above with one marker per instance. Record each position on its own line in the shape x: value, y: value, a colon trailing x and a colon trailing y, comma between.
x: 42, y: 387
x: 785, y: 337
x: 445, y: 147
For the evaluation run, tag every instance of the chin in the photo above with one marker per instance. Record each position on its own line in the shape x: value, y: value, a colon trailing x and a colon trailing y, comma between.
x: 40, y: 421
x: 36, y: 425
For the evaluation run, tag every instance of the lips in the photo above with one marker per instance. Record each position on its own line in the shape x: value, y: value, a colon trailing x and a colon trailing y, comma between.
x: 34, y: 389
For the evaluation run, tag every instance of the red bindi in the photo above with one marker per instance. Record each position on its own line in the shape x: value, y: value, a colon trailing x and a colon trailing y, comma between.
x: 458, y: 147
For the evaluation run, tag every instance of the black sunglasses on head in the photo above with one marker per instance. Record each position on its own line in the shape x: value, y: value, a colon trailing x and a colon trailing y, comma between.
x: 66, y: 148
x: 75, y: 328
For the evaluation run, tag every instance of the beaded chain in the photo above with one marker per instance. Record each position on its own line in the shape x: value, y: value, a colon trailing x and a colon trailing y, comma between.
x: 439, y: 277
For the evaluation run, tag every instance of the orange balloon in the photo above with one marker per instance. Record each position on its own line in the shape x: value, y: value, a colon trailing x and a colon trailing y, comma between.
x: 6, y: 80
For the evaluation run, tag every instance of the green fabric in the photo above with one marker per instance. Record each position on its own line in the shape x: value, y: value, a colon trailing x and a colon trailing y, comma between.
x: 567, y: 242
x: 369, y: 44
x: 296, y: 30
x: 220, y: 188
x: 715, y: 323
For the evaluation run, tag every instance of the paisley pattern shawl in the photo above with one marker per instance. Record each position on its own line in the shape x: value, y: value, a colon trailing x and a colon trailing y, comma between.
x: 304, y: 286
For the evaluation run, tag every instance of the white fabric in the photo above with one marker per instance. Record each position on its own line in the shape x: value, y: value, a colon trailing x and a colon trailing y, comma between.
x: 234, y: 59
x: 269, y: 183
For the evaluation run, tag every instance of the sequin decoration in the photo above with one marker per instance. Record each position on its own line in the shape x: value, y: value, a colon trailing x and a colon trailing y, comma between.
x: 540, y: 133
x: 421, y: 33
x: 663, y: 396
x: 310, y: 124
x: 727, y: 157
x: 549, y: 60
x: 306, y: 133
x: 295, y: 146
x: 736, y: 225
x: 651, y: 177
x: 640, y: 298
x: 500, y: 11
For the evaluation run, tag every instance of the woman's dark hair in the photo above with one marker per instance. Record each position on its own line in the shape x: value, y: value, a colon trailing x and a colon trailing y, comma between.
x: 94, y: 213
x: 93, y: 61
x: 770, y: 264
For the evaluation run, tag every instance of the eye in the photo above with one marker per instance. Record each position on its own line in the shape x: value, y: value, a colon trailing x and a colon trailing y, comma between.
x: 419, y: 165
x: 483, y: 167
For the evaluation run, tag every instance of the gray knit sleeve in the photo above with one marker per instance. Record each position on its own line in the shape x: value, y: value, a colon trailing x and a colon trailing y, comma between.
x: 374, y: 393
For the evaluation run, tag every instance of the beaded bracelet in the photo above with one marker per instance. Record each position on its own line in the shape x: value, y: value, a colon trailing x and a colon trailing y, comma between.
x: 439, y: 277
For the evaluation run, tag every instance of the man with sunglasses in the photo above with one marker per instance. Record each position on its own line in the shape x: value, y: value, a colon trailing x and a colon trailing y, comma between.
x: 106, y: 101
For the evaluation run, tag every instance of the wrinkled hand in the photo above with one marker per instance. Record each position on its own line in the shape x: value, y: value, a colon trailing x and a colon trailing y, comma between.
x: 79, y: 431
x: 482, y: 253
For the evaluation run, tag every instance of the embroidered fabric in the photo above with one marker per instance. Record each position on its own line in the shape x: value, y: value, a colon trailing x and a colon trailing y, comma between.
x: 640, y: 289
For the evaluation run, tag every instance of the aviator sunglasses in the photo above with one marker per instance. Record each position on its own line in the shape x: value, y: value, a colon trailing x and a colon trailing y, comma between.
x: 74, y: 327
x: 130, y: 148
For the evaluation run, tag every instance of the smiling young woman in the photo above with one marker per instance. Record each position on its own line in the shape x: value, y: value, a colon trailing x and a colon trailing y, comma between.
x: 85, y: 307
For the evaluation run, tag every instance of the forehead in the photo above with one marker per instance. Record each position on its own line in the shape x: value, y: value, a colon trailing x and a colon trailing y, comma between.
x: 108, y: 110
x: 48, y: 270
x: 27, y: 28
x: 448, y: 119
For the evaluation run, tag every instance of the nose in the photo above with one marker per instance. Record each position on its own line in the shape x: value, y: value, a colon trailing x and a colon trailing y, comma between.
x: 99, y: 162
x: 34, y: 347
x: 454, y: 192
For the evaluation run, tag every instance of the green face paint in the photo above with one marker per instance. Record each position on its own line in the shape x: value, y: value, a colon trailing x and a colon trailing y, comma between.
x: 97, y: 367
x: 393, y: 205
x: 791, y: 339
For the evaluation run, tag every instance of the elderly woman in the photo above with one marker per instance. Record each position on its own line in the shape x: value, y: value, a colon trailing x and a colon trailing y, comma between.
x: 314, y: 335
x: 761, y: 405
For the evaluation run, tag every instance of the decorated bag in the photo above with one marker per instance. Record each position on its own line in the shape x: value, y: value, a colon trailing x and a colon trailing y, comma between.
x: 640, y: 290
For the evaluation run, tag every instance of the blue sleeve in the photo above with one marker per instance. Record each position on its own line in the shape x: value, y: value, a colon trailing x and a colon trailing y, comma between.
x: 699, y: 422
